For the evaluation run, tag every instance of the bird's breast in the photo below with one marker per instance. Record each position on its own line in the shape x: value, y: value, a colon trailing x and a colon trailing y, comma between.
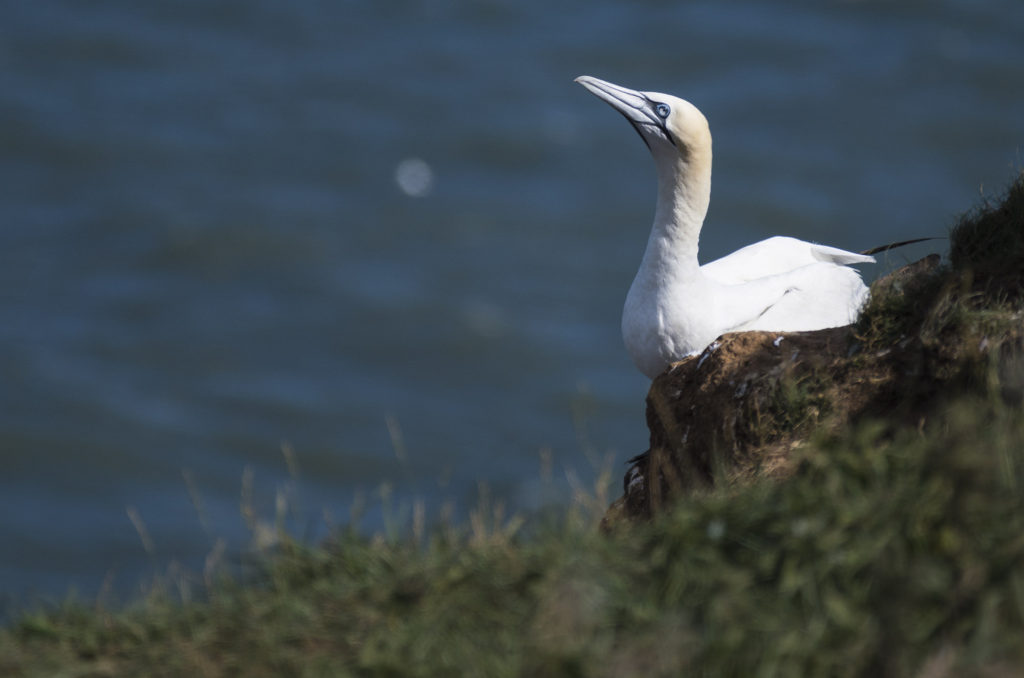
x: 663, y: 324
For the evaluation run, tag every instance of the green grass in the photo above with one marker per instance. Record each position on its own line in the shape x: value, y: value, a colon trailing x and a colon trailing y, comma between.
x: 892, y: 550
x: 955, y: 326
x: 880, y: 555
x: 984, y: 271
x: 988, y: 243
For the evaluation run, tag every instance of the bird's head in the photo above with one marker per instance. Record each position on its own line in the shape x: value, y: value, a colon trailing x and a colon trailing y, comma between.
x: 670, y: 126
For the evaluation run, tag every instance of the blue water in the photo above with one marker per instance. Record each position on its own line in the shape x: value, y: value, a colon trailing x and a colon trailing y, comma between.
x: 208, y: 249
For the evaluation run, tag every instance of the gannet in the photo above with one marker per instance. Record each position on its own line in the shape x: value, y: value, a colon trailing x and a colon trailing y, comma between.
x: 676, y: 307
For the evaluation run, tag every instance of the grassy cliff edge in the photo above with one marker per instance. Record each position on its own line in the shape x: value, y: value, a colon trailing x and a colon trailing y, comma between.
x: 890, y: 549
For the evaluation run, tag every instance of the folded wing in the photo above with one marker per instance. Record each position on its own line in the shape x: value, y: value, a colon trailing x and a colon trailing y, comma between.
x: 774, y: 256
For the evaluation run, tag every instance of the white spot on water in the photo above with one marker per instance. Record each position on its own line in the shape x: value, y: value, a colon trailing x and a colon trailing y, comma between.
x: 414, y: 177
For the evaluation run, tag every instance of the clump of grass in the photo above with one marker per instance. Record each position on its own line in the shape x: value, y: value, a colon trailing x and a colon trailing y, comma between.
x: 984, y: 272
x: 897, y: 308
x: 796, y: 404
x: 876, y: 557
x: 988, y: 244
x: 948, y: 328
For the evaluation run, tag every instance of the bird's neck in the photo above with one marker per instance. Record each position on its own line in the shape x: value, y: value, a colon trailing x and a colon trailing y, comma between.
x: 684, y: 192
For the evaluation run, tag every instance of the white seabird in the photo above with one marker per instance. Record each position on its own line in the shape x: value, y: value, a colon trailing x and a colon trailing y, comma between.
x: 675, y: 306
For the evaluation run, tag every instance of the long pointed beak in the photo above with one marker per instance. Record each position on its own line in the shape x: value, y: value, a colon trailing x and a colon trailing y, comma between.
x: 635, y: 106
x: 628, y: 102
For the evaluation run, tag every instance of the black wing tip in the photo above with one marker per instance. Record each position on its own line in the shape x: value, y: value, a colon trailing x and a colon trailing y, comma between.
x: 894, y: 245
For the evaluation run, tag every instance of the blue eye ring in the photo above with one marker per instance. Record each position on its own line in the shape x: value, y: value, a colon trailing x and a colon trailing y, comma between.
x: 662, y: 110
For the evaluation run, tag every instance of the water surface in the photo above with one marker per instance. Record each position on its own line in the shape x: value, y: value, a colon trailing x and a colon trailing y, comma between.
x: 207, y: 253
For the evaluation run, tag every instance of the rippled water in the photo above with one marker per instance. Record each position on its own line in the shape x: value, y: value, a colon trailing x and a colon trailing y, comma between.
x: 397, y: 238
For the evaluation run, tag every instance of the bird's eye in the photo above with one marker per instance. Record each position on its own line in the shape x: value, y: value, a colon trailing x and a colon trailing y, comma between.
x: 662, y: 110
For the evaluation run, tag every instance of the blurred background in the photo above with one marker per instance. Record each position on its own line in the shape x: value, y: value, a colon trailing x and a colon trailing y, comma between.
x: 395, y: 238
